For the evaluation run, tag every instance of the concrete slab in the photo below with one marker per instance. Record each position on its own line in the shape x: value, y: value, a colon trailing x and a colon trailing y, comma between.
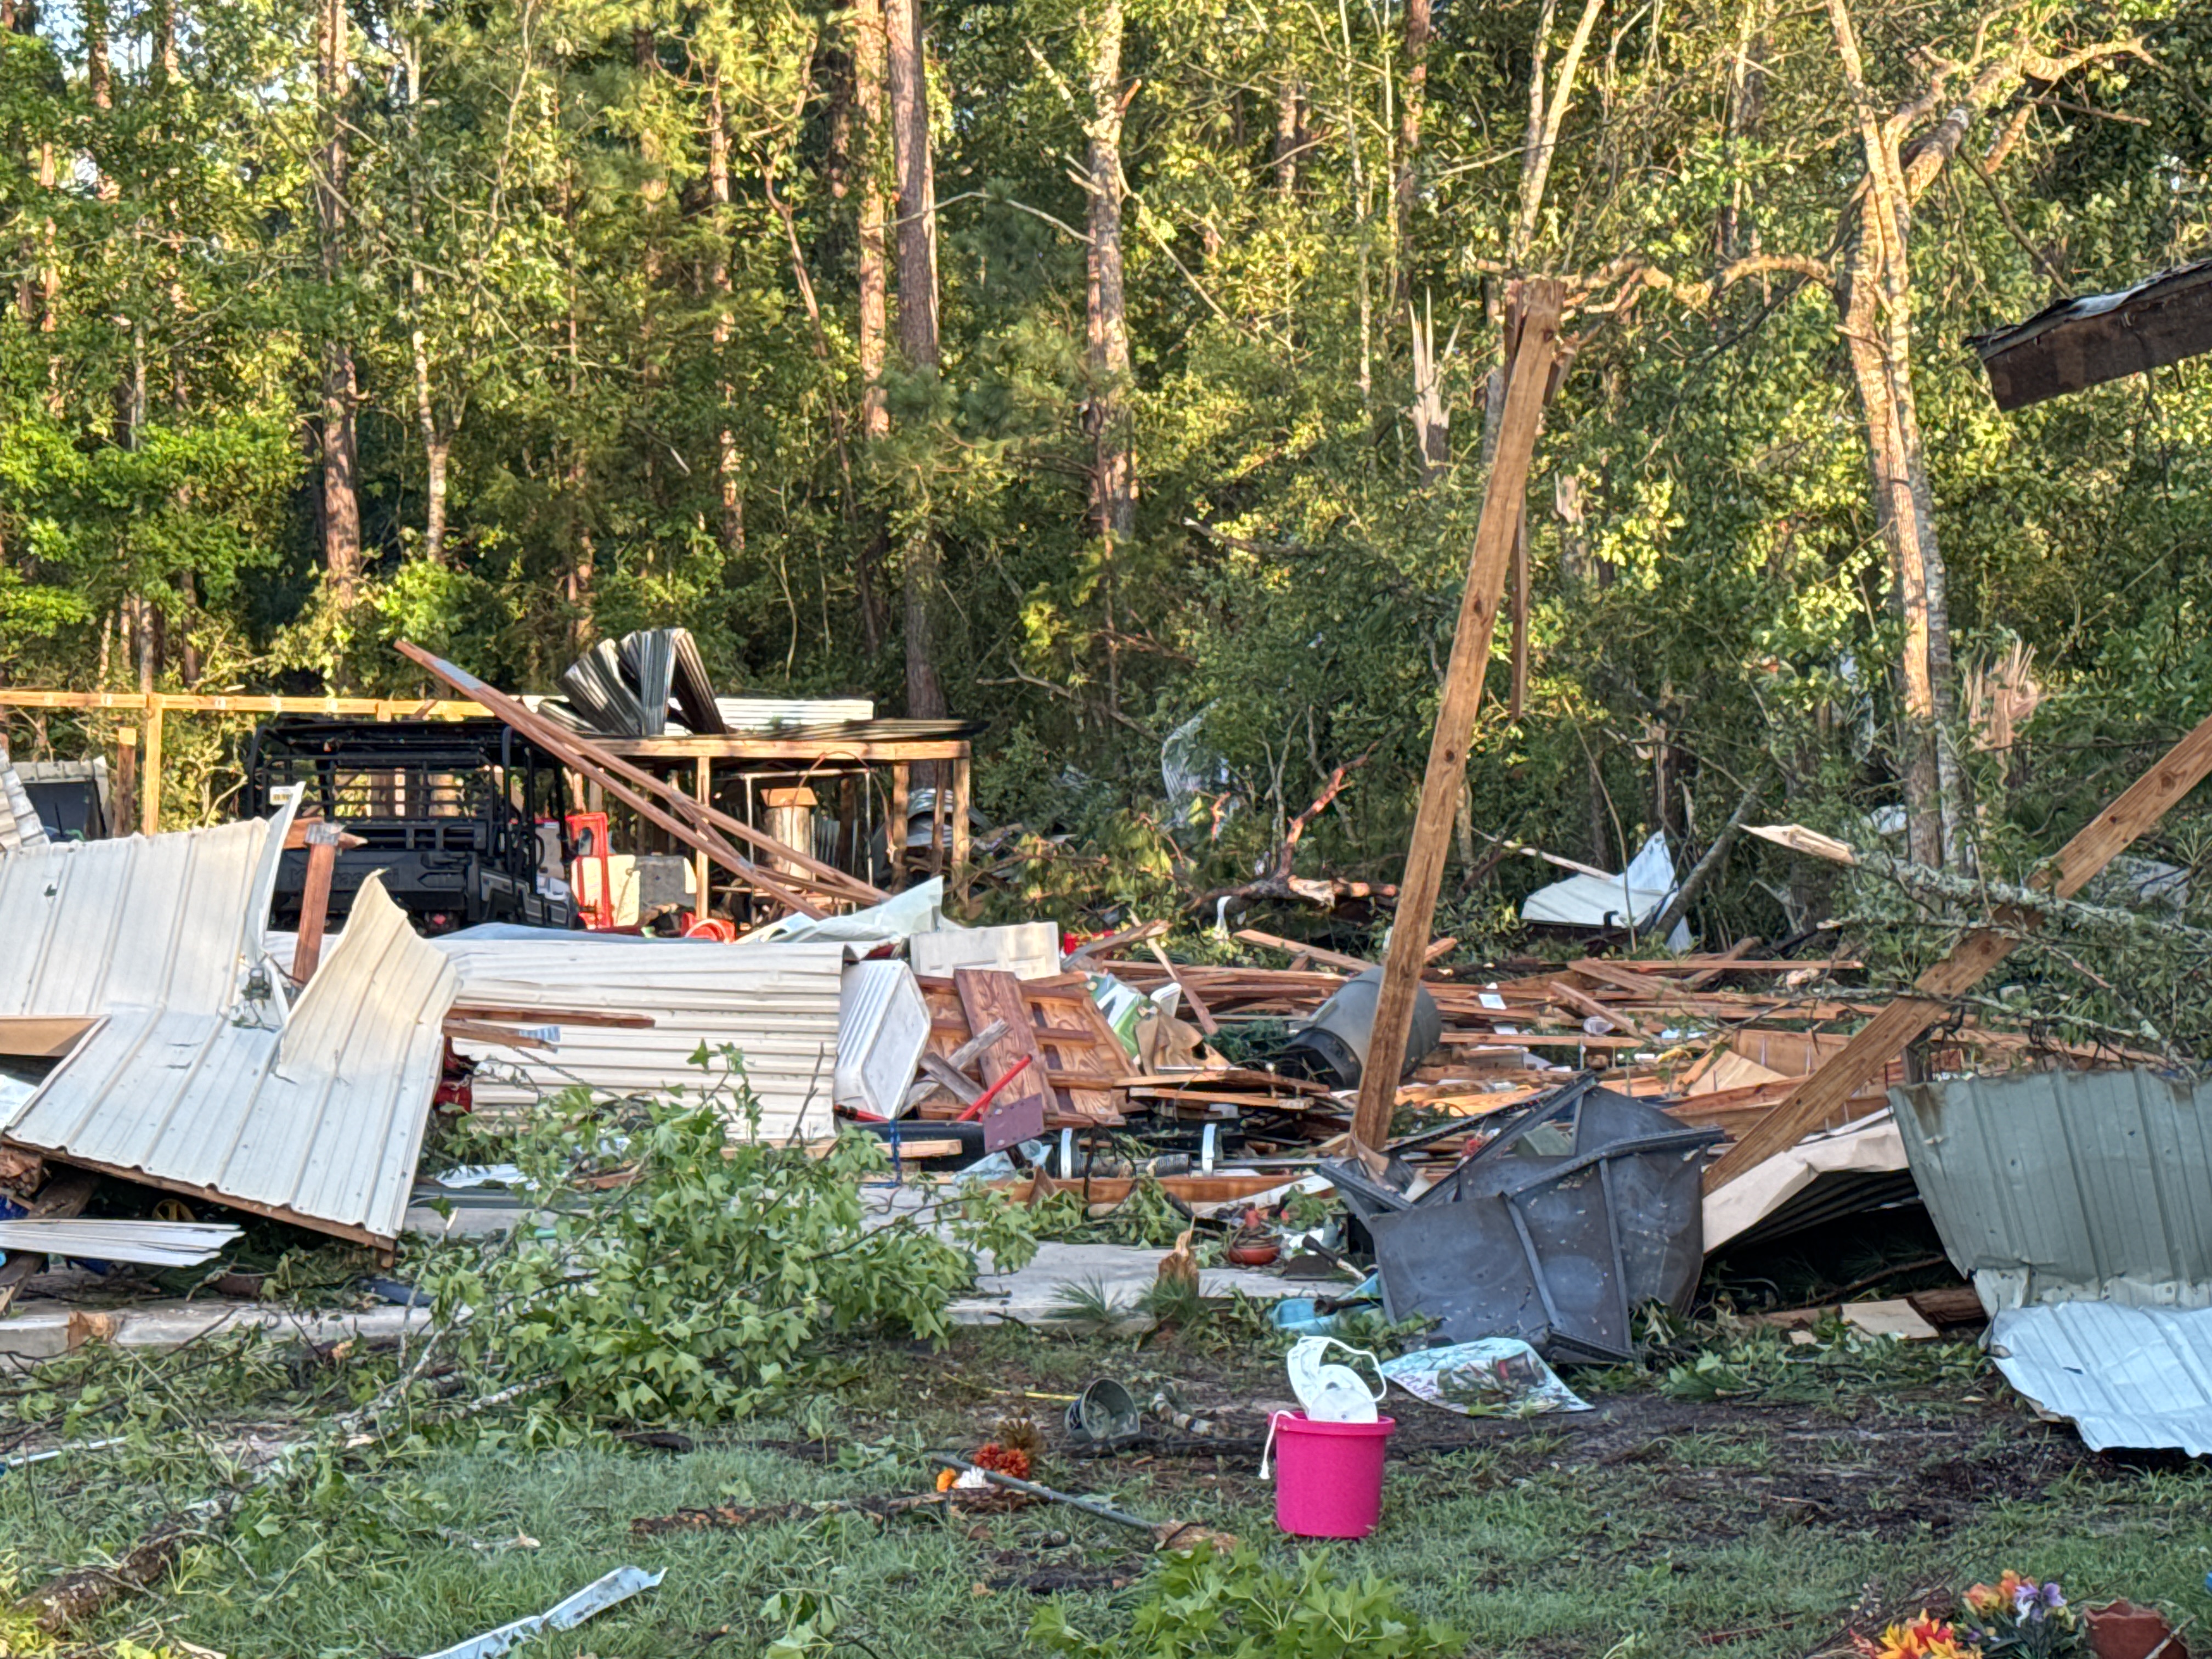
x: 42, y: 1330
x: 1120, y: 1272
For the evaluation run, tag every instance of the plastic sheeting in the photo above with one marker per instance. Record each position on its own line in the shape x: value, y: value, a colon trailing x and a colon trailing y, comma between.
x: 1628, y: 900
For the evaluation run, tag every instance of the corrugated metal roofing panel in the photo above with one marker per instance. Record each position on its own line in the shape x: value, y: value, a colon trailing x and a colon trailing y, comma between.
x: 2065, y: 1186
x: 20, y: 826
x: 2138, y: 1377
x: 148, y: 921
x: 320, y: 1123
x: 777, y: 1005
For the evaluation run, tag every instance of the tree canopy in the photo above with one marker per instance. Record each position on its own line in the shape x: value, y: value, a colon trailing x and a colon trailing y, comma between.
x: 588, y: 284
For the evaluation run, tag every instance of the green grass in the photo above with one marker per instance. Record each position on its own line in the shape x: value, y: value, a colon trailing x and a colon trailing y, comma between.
x: 1669, y: 1523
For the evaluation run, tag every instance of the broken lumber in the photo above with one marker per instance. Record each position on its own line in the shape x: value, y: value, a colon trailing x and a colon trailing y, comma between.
x: 1535, y: 355
x: 692, y: 822
x: 64, y: 1196
x: 2139, y: 807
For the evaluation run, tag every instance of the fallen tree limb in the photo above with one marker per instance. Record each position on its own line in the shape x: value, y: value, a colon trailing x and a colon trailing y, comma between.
x: 1977, y: 890
x: 2104, y: 838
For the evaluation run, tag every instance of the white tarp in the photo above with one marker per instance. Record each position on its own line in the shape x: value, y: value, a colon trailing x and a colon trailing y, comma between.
x: 1628, y: 900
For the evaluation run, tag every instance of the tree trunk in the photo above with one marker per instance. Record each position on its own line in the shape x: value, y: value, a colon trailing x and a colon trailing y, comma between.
x: 341, y: 492
x: 437, y: 446
x: 1874, y: 298
x: 1114, y: 479
x: 727, y: 468
x: 1289, y: 136
x: 1413, y: 98
x: 100, y: 84
x: 874, y: 150
x: 917, y: 322
x: 161, y: 56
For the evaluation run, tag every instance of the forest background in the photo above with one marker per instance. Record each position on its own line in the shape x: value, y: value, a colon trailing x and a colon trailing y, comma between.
x: 1119, y: 373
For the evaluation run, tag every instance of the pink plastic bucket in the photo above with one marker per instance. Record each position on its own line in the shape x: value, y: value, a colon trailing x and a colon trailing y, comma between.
x: 1328, y: 1476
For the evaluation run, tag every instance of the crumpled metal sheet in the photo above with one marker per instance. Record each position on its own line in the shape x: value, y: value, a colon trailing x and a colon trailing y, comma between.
x: 2068, y: 1186
x: 1554, y: 1234
x: 594, y: 1598
x: 2134, y: 1377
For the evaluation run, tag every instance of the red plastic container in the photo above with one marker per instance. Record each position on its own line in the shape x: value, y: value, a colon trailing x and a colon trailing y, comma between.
x: 1328, y: 1476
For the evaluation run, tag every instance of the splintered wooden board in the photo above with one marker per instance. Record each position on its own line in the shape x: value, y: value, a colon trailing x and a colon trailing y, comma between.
x: 1016, y: 1111
x: 1074, y: 1044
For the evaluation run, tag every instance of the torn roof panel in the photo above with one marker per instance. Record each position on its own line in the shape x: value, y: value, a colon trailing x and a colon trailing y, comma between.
x: 2063, y: 1186
x: 2135, y: 1377
x: 20, y: 823
x: 319, y: 1123
x: 148, y: 921
x: 2081, y: 342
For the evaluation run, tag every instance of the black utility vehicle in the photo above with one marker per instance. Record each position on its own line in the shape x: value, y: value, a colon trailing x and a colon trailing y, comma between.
x: 463, y: 818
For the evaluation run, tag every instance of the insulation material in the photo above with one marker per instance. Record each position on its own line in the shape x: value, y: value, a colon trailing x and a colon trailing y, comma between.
x: 776, y: 1005
x: 1765, y: 1194
x: 1027, y: 949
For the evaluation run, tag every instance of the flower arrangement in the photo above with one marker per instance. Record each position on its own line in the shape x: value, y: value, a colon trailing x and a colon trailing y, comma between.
x: 2015, y: 1618
x: 1925, y: 1637
x: 2018, y: 1617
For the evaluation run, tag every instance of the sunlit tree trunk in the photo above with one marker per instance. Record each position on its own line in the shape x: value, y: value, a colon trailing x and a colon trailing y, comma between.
x: 1414, y: 97
x: 873, y: 155
x: 340, y: 451
x: 917, y: 321
x: 727, y: 463
x: 1874, y: 298
x: 1115, y: 477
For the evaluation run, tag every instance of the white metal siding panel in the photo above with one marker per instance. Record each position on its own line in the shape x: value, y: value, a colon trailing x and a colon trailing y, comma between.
x: 777, y: 1005
x: 147, y: 920
x: 322, y: 1122
x: 2138, y: 1377
x: 2055, y: 1185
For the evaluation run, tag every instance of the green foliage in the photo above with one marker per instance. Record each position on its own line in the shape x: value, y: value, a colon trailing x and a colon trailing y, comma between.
x: 707, y: 1284
x: 543, y: 283
x: 1202, y: 1605
x: 1735, y: 1359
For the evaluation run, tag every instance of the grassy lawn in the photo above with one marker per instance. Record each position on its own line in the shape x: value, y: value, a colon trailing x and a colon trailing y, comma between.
x: 1821, y: 1482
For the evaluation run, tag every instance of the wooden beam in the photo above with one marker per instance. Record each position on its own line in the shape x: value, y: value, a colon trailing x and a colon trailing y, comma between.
x: 703, y: 785
x: 383, y: 708
x: 2140, y: 807
x: 315, y: 898
x: 610, y: 772
x: 1583, y: 1002
x: 494, y: 1014
x: 149, y: 769
x: 894, y: 830
x: 703, y: 821
x: 1534, y: 356
x: 1334, y: 958
x: 1198, y: 1011
x: 126, y: 782
x: 961, y: 786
